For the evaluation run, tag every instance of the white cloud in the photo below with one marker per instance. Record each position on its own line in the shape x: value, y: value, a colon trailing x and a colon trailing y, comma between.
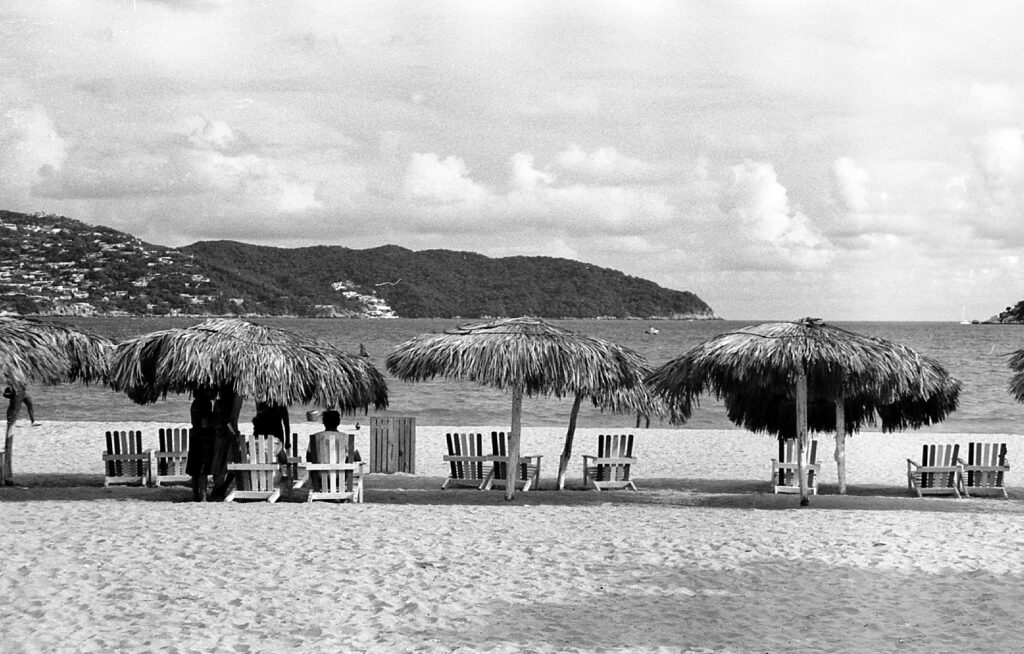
x: 296, y: 198
x: 1000, y: 154
x: 760, y: 204
x: 604, y: 164
x: 524, y: 176
x: 31, y: 149
x: 206, y: 134
x: 429, y: 177
x: 852, y: 182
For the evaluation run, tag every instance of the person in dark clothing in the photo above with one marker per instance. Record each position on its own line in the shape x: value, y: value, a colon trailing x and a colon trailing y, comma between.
x: 273, y: 420
x: 200, y: 444
x: 331, y: 420
x: 225, y: 440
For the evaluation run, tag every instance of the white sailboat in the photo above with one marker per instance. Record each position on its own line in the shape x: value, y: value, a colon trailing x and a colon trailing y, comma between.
x: 963, y: 316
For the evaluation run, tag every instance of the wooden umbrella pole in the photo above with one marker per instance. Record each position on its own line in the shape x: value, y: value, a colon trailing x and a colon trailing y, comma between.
x: 7, y: 473
x: 841, y: 444
x: 511, y: 472
x: 801, y: 434
x: 563, y: 462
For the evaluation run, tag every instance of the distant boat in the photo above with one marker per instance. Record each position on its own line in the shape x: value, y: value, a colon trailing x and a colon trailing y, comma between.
x: 963, y: 317
x: 652, y: 331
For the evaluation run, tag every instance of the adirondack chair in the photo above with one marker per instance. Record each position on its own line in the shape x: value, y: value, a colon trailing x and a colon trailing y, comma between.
x: 984, y: 469
x: 466, y: 460
x: 335, y: 476
x: 611, y: 468
x: 124, y: 461
x: 939, y: 472
x: 786, y: 468
x: 257, y: 474
x: 529, y: 465
x: 170, y: 459
x: 293, y: 473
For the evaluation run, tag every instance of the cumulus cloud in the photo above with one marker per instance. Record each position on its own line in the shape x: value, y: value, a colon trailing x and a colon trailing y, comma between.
x: 1000, y: 154
x: 852, y: 185
x: 604, y: 164
x: 206, y: 134
x: 447, y: 181
x: 524, y: 176
x: 759, y: 204
x: 31, y: 149
x: 998, y: 185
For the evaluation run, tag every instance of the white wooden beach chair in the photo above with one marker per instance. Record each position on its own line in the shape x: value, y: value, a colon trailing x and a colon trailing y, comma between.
x: 294, y: 473
x: 613, y: 465
x: 335, y: 476
x: 984, y: 470
x: 529, y: 466
x: 124, y: 461
x: 786, y: 468
x: 939, y: 472
x: 171, y: 457
x: 257, y: 474
x: 467, y: 463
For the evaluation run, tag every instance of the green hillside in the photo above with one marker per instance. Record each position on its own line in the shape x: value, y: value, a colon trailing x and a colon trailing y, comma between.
x: 56, y: 265
x: 441, y: 283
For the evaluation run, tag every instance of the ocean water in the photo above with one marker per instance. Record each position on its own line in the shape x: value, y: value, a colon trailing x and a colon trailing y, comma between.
x: 975, y: 354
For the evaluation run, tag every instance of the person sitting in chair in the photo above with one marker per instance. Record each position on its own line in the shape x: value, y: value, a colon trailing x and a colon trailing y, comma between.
x: 331, y: 419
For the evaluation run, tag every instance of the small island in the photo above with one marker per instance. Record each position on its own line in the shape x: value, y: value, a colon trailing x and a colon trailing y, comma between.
x: 1010, y: 316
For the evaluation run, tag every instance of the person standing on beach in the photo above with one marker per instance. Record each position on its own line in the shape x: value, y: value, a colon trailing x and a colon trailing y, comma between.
x: 200, y: 443
x: 225, y: 439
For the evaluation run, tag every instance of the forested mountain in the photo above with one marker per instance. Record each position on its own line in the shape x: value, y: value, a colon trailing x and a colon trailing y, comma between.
x: 53, y: 264
x: 441, y: 283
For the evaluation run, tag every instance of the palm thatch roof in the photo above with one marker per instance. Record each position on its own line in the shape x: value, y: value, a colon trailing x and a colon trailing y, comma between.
x: 760, y: 410
x: 530, y: 353
x: 263, y: 363
x: 1016, y: 364
x: 50, y: 353
x: 753, y: 370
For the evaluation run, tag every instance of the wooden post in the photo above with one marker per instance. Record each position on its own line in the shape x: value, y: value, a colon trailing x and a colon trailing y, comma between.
x: 841, y: 444
x: 563, y: 463
x: 801, y: 434
x: 7, y: 474
x: 513, y: 443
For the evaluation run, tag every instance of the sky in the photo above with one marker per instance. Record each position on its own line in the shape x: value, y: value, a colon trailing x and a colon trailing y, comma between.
x: 840, y: 160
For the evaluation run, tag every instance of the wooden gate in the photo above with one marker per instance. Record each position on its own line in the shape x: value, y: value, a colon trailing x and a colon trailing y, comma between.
x: 393, y: 445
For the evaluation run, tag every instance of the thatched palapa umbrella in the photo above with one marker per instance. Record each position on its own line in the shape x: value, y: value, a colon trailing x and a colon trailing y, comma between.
x: 773, y: 375
x: 266, y: 364
x: 1016, y: 364
x: 48, y: 353
x: 240, y: 359
x: 525, y: 355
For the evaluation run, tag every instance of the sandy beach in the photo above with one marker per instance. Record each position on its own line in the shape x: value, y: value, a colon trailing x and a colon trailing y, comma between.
x: 701, y: 559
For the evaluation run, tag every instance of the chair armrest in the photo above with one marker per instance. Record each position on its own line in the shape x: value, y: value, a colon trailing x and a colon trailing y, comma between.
x: 614, y: 460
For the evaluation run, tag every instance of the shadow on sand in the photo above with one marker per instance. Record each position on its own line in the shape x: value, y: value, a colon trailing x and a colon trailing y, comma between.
x: 422, y: 490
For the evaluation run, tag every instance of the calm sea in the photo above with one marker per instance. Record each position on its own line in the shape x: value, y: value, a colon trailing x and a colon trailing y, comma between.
x: 975, y: 354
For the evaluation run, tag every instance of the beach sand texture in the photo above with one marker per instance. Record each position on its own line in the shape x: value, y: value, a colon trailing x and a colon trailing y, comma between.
x: 701, y: 559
